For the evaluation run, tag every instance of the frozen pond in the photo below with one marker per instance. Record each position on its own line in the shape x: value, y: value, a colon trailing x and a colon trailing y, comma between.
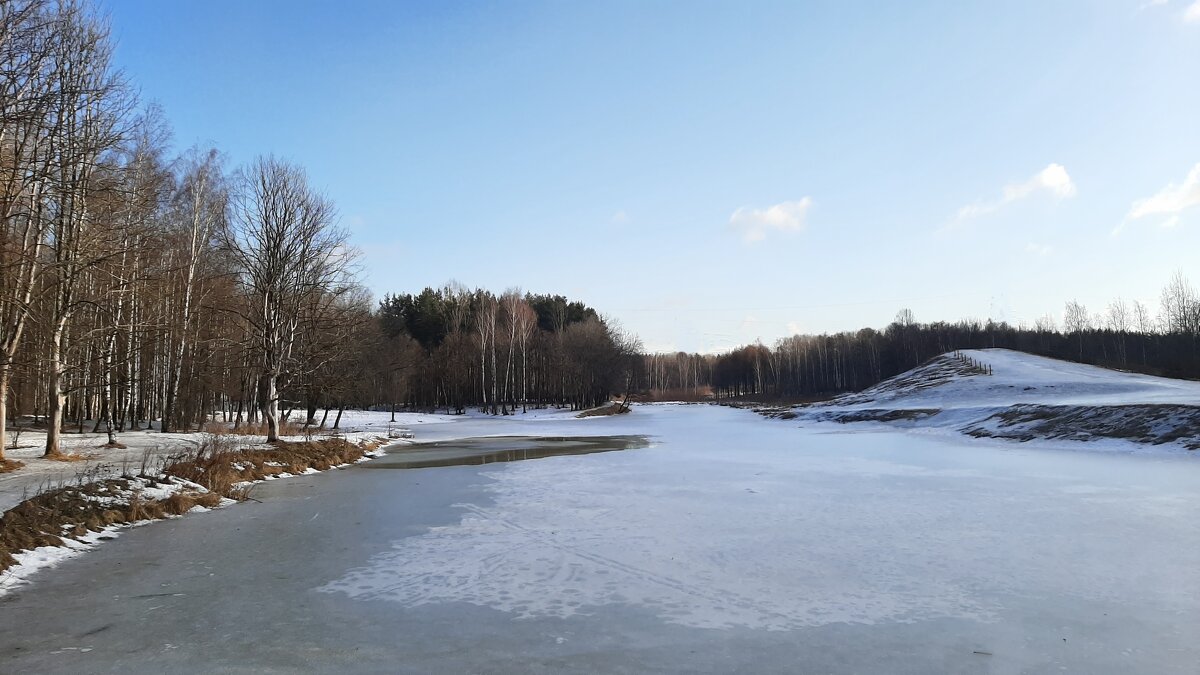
x: 730, y: 544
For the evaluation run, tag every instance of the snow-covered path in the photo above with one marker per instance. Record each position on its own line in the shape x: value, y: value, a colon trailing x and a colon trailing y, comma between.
x: 733, y: 543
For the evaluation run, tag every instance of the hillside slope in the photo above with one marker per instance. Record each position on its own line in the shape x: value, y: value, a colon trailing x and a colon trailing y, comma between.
x: 1006, y: 394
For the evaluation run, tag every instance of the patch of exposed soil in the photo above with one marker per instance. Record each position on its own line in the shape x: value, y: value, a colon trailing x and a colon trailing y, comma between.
x: 1154, y: 424
x: 935, y: 372
x: 878, y: 415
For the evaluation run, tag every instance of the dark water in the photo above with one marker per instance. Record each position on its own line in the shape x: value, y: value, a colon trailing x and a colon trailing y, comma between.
x: 477, y: 451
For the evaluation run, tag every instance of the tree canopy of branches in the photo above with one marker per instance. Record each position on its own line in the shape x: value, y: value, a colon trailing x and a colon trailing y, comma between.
x: 136, y: 287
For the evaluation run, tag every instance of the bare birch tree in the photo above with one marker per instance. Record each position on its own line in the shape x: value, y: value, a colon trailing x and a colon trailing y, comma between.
x: 199, y: 213
x: 27, y: 81
x: 87, y: 108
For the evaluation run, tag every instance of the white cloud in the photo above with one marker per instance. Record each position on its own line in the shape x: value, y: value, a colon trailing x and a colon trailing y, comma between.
x: 1171, y: 200
x: 1053, y: 180
x: 619, y: 218
x: 1191, y: 13
x: 1039, y: 249
x: 783, y: 217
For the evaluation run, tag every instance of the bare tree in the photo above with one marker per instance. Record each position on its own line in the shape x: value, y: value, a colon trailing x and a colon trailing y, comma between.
x: 27, y: 82
x: 486, y: 320
x: 198, y: 214
x: 1118, y: 323
x: 1180, y: 306
x: 87, y: 107
x: 524, y: 321
x: 1075, y: 319
x: 285, y: 246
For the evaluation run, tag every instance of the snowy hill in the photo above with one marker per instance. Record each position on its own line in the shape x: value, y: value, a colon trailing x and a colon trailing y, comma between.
x: 1007, y: 394
x: 1017, y: 377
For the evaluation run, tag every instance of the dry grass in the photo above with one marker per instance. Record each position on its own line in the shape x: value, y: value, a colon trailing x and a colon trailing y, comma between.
x: 220, y: 467
x: 216, y: 464
x: 605, y: 410
x: 7, y: 465
x: 76, y: 510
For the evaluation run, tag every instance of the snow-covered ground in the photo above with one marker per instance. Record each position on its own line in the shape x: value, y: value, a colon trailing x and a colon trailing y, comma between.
x: 97, y: 462
x: 1020, y: 378
x: 1018, y: 396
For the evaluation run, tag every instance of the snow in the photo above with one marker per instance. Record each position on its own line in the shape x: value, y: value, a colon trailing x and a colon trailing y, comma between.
x: 943, y: 402
x: 100, y: 462
x: 31, y: 562
x: 1018, y: 377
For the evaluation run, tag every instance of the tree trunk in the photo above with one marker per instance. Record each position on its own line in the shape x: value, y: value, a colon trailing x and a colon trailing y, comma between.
x: 269, y: 400
x: 5, y: 376
x: 55, y: 399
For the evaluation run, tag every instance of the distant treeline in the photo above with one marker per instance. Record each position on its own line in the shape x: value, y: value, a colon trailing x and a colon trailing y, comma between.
x: 1125, y: 336
x: 453, y: 348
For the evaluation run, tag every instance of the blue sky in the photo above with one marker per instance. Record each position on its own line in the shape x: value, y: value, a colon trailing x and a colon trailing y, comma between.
x: 715, y: 173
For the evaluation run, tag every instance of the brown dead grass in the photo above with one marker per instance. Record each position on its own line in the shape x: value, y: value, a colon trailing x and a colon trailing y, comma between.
x: 7, y: 465
x: 219, y: 467
x: 73, y: 511
x: 605, y: 410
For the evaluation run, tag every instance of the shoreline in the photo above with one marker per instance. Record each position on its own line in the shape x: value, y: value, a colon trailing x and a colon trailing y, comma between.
x: 68, y: 520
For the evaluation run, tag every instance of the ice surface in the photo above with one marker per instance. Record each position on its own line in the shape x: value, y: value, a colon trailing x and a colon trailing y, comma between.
x: 778, y: 528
